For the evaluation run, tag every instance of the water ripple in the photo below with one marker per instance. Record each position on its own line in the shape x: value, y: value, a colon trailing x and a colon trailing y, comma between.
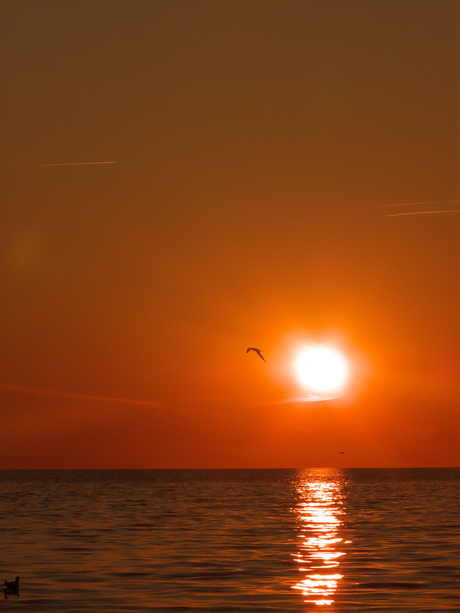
x: 358, y: 540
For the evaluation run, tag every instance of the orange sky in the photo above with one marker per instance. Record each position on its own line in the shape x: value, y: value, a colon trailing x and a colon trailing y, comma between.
x: 256, y: 145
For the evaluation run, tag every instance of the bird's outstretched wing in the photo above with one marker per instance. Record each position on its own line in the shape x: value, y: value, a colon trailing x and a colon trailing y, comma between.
x: 259, y: 353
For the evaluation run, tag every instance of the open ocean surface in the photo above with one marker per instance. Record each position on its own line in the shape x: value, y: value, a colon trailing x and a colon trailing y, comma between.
x: 332, y: 540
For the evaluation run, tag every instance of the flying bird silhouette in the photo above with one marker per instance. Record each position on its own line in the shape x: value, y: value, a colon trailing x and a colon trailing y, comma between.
x: 341, y: 452
x: 257, y: 351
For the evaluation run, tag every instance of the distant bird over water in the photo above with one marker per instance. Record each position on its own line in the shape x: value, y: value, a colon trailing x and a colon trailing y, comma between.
x: 259, y: 353
x: 341, y: 452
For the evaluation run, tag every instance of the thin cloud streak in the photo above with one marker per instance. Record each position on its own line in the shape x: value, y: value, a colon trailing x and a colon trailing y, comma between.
x: 422, y: 213
x: 57, y: 394
x: 311, y: 398
x: 295, y: 400
x: 385, y: 206
x: 68, y: 164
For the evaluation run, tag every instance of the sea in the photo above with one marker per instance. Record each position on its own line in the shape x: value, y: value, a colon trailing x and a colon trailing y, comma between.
x: 327, y: 540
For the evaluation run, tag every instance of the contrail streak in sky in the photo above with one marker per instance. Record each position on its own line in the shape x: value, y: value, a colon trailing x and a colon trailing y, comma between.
x: 70, y: 164
x: 422, y: 213
x: 42, y: 392
x: 424, y: 202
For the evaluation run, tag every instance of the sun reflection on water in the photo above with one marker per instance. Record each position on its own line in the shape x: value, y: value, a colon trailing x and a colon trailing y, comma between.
x: 319, y: 509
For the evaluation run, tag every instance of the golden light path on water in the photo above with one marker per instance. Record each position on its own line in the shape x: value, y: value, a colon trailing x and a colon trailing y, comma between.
x: 319, y: 510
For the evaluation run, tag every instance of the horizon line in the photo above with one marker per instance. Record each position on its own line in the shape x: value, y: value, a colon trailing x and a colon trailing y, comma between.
x: 258, y: 468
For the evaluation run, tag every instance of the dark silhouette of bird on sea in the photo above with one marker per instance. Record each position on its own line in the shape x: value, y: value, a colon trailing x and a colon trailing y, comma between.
x: 257, y: 351
x: 12, y: 587
x: 341, y: 452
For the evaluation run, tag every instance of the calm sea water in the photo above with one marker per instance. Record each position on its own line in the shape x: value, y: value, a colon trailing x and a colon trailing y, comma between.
x: 232, y: 540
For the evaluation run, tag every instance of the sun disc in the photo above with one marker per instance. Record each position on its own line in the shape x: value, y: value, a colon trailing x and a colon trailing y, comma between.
x: 321, y: 369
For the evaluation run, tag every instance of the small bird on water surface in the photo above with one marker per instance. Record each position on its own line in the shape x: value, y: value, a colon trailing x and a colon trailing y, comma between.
x: 12, y: 587
x: 259, y: 353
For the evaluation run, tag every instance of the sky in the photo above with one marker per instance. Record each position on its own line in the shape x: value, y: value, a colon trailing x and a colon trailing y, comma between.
x: 254, y: 153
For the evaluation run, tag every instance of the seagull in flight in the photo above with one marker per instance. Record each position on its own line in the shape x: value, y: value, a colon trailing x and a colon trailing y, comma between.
x: 257, y: 351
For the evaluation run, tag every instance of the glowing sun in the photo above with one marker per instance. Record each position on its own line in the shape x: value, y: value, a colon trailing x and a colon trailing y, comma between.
x: 321, y: 369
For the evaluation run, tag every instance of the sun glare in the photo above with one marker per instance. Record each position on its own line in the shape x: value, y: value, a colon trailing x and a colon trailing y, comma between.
x: 321, y: 369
